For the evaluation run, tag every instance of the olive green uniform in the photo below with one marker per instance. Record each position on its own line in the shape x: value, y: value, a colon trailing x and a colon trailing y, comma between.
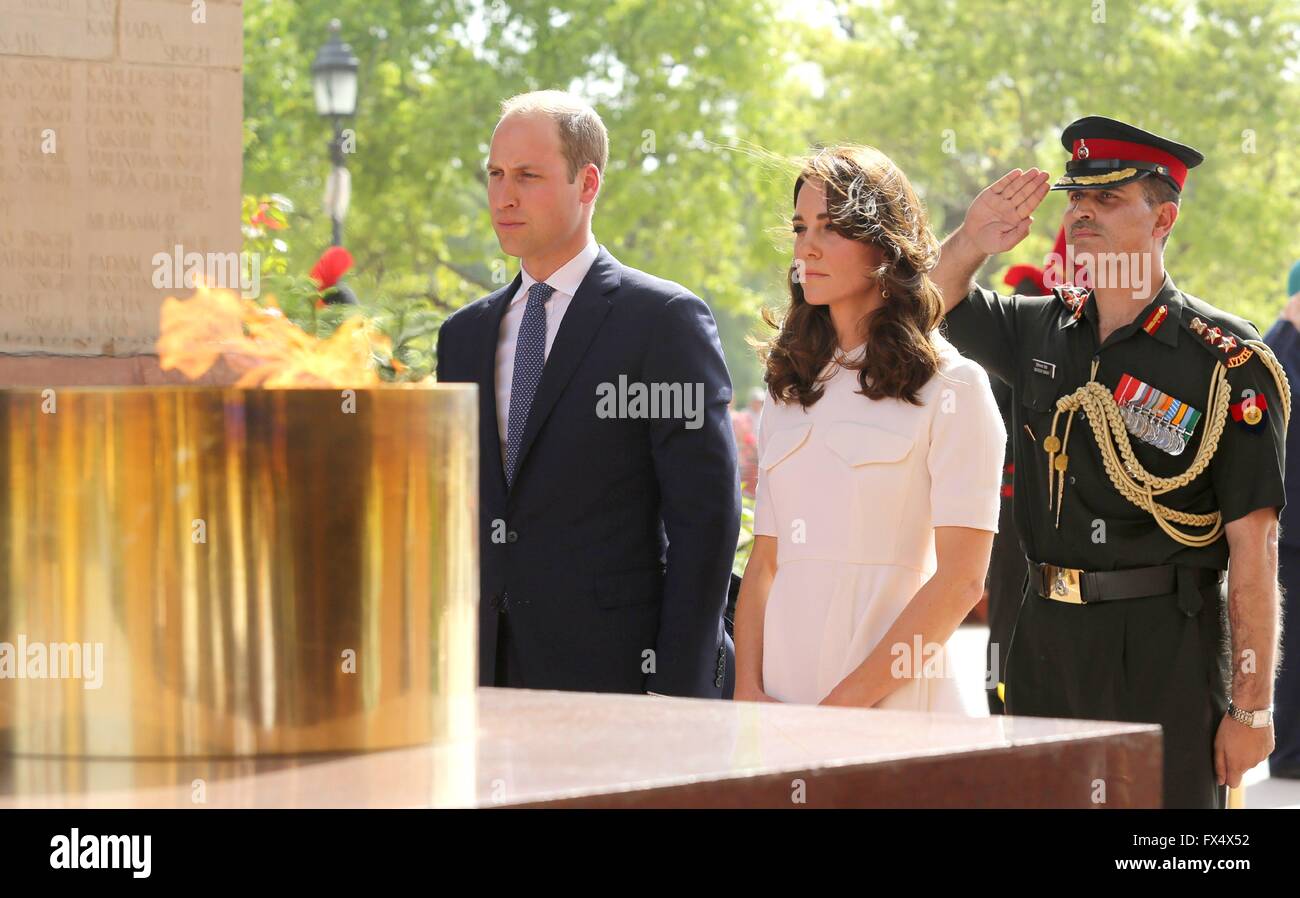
x: 1163, y: 656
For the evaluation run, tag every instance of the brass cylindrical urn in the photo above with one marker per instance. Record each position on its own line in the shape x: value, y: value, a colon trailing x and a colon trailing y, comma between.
x: 205, y: 571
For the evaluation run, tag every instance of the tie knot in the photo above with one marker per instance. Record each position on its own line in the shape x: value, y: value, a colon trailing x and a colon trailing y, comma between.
x: 540, y: 292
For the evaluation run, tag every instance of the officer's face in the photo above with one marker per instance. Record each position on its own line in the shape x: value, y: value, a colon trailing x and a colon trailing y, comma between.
x: 830, y: 267
x: 1112, y: 220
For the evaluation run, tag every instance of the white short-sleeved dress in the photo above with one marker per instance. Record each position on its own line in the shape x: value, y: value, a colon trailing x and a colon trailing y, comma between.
x: 852, y: 489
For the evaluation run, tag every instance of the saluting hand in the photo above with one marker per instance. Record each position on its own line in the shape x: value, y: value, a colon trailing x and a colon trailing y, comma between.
x: 1001, y: 215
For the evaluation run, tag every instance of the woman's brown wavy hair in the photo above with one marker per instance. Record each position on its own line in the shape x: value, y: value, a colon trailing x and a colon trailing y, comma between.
x: 870, y: 200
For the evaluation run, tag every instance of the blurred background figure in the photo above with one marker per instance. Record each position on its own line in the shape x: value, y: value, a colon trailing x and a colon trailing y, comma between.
x: 744, y: 422
x: 1007, y: 565
x: 1284, y: 338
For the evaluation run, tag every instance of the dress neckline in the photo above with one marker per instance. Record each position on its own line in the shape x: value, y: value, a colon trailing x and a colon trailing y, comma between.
x: 855, y: 354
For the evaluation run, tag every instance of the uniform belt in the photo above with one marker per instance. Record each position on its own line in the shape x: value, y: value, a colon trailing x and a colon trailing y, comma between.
x: 1063, y: 584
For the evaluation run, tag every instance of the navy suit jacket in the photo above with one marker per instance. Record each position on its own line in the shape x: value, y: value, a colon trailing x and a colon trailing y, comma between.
x: 615, y: 543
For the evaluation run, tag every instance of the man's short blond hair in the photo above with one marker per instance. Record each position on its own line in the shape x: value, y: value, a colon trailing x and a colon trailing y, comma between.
x: 583, y: 138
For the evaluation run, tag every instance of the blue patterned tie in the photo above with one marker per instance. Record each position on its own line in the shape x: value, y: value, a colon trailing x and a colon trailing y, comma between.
x: 530, y: 356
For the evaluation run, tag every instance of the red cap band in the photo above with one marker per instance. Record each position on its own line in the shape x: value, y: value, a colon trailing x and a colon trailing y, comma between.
x: 1134, y: 152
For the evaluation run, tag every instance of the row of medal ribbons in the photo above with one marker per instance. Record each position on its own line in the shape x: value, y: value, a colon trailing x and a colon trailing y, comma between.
x: 1155, y: 418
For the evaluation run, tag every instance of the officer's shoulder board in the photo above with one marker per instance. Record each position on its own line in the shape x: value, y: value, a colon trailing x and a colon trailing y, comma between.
x: 1234, y: 342
x: 1224, y: 336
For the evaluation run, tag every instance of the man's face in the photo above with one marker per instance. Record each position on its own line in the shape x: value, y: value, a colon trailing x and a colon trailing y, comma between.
x: 534, y: 205
x: 1116, y: 220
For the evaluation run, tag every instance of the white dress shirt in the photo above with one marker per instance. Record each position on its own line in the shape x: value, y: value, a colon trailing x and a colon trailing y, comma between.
x: 565, y: 281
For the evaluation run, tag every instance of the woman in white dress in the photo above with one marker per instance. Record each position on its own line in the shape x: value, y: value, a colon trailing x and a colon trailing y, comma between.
x: 880, y: 460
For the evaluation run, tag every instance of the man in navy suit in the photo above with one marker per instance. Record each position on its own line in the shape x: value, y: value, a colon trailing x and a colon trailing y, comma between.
x: 608, y: 494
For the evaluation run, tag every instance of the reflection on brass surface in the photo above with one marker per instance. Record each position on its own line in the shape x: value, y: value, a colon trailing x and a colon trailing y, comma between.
x: 256, y: 571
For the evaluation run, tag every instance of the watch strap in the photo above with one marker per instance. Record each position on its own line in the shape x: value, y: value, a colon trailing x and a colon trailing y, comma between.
x: 1249, y: 717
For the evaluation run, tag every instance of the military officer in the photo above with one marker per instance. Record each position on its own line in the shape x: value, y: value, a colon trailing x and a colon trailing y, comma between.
x: 1149, y: 431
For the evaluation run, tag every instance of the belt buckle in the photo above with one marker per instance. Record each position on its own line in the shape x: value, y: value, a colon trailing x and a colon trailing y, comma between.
x: 1063, y: 585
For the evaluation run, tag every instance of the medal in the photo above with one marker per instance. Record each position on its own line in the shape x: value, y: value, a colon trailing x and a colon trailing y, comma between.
x: 1156, y: 418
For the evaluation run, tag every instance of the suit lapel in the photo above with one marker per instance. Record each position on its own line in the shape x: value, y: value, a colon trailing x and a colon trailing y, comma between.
x: 583, y: 318
x: 489, y: 335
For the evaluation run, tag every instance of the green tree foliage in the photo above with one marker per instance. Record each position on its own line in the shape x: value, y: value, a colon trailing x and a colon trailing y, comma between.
x: 675, y: 83
x: 956, y: 91
x: 989, y: 85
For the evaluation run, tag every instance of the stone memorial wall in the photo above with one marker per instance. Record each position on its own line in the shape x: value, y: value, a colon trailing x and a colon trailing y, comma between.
x: 120, y: 139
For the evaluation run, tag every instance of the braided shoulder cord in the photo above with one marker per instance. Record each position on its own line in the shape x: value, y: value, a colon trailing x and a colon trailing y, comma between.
x: 1134, y: 482
x: 1275, y: 368
x: 1126, y: 473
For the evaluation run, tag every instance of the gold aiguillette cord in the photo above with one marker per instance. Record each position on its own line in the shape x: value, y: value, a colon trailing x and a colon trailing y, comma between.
x: 1058, y: 464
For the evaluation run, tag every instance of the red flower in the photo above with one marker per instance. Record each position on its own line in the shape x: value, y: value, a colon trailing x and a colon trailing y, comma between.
x: 331, y: 266
x: 261, y: 218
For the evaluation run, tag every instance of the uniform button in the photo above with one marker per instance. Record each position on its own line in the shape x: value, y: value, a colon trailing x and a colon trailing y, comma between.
x: 1071, y: 480
x: 512, y: 537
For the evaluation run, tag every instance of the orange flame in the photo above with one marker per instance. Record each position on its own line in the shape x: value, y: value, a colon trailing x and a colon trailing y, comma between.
x: 262, y: 344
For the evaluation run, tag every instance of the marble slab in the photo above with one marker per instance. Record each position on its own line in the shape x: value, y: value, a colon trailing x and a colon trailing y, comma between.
x: 565, y: 749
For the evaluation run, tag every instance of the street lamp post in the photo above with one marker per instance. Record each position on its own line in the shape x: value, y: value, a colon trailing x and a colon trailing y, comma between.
x: 334, y: 81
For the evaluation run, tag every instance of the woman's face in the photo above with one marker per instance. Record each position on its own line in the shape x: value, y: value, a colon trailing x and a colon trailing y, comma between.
x: 830, y: 267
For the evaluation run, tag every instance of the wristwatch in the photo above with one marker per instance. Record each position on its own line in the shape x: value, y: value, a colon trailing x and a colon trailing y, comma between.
x: 1254, y: 719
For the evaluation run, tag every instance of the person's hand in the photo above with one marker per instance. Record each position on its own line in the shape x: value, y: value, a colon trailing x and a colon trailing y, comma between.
x: 1001, y: 215
x: 1291, y: 312
x: 1238, y: 748
x: 751, y: 693
x: 841, y: 697
x: 835, y: 700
